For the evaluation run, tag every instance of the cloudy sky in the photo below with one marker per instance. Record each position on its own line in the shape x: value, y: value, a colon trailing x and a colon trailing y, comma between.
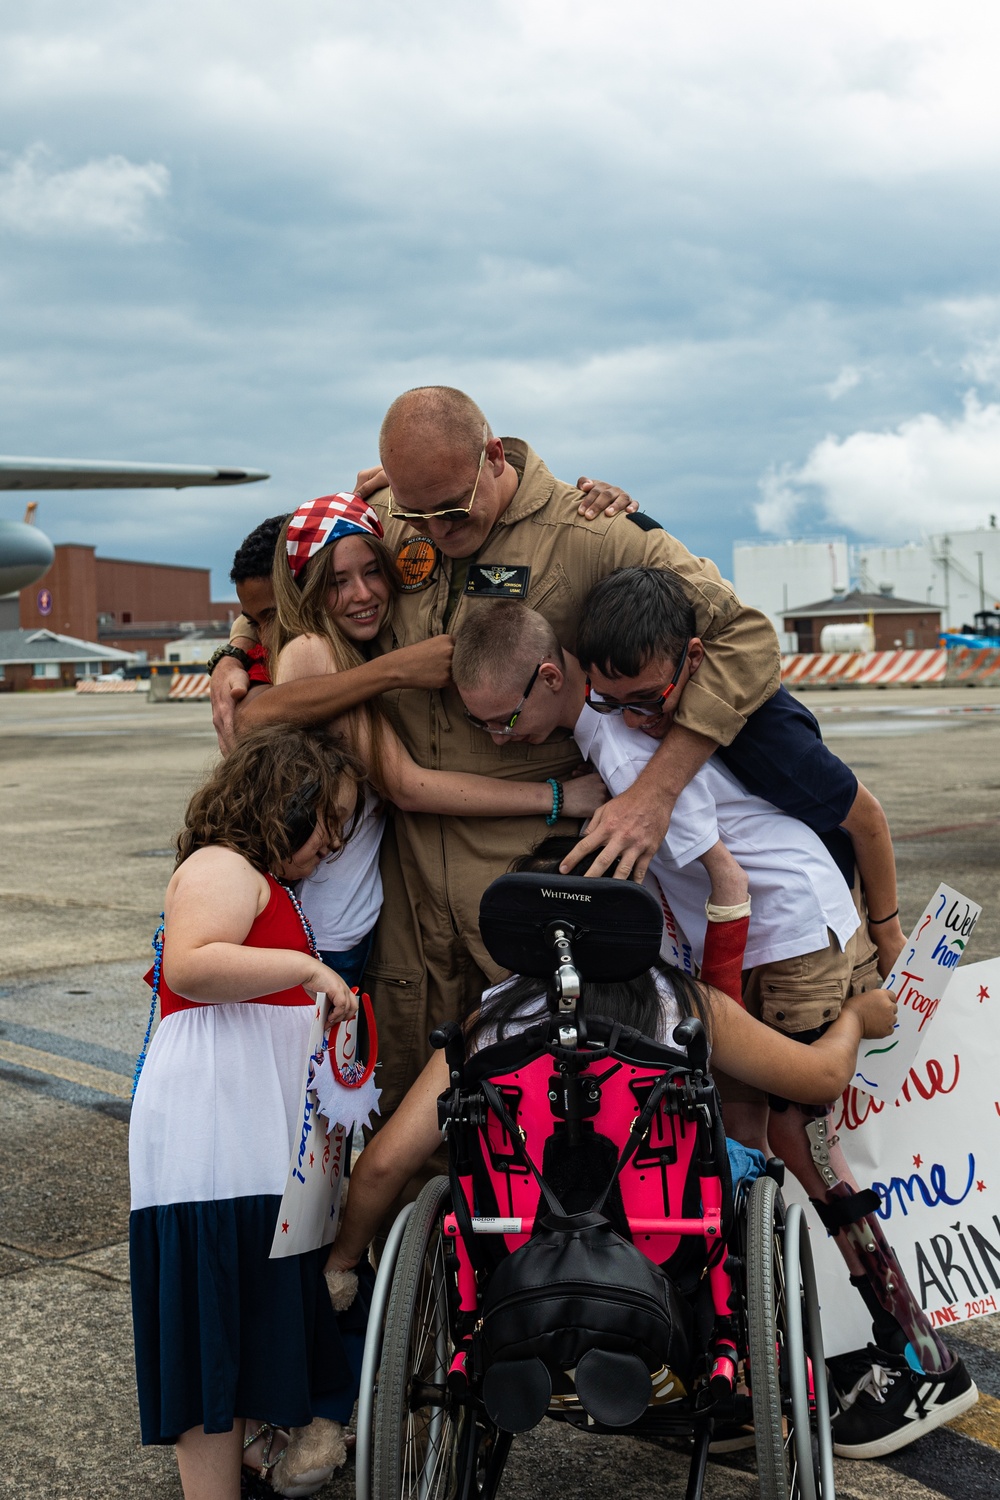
x: 742, y: 259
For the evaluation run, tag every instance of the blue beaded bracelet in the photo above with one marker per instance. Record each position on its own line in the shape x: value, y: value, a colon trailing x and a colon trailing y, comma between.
x: 557, y: 801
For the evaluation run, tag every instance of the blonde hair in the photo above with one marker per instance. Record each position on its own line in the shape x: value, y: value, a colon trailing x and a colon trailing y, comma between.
x: 302, y: 608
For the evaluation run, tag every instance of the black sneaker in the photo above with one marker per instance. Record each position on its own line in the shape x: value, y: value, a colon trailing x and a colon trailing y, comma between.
x: 884, y: 1404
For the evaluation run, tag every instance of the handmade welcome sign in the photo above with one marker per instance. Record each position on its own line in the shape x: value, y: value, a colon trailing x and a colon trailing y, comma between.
x: 337, y: 1092
x: 932, y: 1153
x: 922, y: 975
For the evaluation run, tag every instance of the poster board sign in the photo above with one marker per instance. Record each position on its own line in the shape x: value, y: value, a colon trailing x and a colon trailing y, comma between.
x: 919, y: 980
x: 932, y: 1152
x: 310, y: 1204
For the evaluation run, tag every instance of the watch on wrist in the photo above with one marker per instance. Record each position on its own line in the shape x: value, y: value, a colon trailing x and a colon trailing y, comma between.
x: 227, y: 650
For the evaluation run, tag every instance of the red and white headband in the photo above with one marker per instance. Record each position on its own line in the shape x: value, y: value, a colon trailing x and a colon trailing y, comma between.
x: 319, y: 522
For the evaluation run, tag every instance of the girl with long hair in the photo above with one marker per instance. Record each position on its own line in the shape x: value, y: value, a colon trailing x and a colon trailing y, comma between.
x: 224, y: 1335
x: 335, y: 585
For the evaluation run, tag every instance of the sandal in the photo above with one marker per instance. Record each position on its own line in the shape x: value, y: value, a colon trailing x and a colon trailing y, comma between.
x: 266, y: 1432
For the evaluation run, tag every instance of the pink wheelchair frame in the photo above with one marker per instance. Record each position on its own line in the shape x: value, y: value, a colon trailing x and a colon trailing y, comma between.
x: 742, y: 1263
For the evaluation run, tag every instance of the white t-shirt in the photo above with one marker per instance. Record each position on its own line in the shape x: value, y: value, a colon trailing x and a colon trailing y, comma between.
x: 537, y: 1008
x: 796, y: 890
x: 343, y: 896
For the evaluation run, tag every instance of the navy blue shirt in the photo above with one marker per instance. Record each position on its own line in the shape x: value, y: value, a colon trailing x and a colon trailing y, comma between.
x: 779, y: 754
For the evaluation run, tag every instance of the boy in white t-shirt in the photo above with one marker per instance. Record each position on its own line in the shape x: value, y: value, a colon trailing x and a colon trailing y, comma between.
x: 636, y: 636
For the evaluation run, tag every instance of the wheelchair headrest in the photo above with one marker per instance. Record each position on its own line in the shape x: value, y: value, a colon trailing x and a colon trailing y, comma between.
x: 616, y: 926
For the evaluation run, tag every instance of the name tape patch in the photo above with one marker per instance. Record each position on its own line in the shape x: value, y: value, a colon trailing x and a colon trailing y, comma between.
x: 497, y: 581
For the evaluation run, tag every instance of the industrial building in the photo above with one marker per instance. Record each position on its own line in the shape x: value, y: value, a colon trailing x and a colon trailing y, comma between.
x: 955, y: 574
x: 135, y: 607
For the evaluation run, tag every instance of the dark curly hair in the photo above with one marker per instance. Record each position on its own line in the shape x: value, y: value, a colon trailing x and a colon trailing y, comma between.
x: 255, y: 554
x: 266, y: 797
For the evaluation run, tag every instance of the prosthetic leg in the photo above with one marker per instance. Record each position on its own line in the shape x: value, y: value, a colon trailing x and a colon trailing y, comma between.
x: 895, y: 1313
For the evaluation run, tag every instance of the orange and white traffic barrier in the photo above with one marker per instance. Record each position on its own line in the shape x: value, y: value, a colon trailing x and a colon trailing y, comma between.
x: 189, y: 685
x: 821, y: 668
x: 112, y: 685
x: 972, y: 666
x: 889, y: 668
x: 864, y: 668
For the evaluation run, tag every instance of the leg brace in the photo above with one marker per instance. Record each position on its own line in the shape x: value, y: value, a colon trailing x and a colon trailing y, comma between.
x: 853, y: 1213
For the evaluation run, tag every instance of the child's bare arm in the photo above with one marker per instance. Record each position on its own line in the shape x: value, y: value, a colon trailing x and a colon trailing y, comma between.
x: 387, y: 1163
x: 729, y: 882
x: 211, y: 904
x: 814, y: 1074
x: 868, y: 829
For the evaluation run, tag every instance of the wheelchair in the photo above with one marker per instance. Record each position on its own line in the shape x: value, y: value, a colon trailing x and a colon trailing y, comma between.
x: 435, y: 1419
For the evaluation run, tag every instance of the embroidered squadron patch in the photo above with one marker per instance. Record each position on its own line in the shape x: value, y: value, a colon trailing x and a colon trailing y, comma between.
x: 417, y: 561
x: 495, y: 581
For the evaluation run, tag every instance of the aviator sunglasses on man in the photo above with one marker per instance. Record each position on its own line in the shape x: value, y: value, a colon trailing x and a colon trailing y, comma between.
x: 508, y: 726
x: 650, y: 710
x: 450, y: 512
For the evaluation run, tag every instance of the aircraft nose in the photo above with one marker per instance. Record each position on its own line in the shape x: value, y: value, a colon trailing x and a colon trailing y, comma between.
x: 26, y: 555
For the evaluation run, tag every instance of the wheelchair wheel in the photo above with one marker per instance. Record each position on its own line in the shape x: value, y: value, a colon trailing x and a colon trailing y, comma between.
x: 427, y: 1445
x: 373, y: 1354
x: 791, y: 1411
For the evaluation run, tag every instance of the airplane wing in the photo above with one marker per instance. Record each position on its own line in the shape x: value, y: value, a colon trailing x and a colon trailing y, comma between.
x: 87, y: 474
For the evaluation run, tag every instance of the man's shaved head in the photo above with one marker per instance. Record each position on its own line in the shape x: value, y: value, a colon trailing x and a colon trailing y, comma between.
x: 445, y: 468
x: 433, y: 417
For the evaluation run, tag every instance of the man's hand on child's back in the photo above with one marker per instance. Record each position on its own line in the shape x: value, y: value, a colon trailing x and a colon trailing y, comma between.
x: 876, y: 1010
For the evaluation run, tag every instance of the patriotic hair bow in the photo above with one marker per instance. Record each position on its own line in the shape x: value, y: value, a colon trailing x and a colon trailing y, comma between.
x: 327, y: 519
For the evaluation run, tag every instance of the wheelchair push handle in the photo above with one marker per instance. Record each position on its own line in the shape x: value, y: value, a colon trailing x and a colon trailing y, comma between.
x: 450, y: 1039
x: 690, y: 1035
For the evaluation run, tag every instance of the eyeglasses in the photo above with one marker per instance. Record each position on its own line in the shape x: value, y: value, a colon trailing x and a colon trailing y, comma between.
x: 508, y: 726
x: 652, y: 710
x: 451, y: 512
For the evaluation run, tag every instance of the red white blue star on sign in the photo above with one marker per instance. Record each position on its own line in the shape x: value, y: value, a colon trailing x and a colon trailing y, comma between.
x: 984, y: 993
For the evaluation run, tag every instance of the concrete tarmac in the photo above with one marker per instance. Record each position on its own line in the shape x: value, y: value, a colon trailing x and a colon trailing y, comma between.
x: 91, y: 795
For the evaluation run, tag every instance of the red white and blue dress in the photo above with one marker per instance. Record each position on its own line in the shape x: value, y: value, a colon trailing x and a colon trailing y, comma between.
x: 222, y: 1331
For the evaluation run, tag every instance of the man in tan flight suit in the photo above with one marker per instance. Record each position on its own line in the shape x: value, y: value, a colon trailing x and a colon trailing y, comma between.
x: 511, y: 530
x: 482, y: 518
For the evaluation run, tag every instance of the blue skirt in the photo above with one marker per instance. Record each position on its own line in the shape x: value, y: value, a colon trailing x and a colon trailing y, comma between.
x: 223, y: 1332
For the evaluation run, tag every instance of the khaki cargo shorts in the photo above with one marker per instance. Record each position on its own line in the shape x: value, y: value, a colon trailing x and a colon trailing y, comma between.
x: 802, y: 994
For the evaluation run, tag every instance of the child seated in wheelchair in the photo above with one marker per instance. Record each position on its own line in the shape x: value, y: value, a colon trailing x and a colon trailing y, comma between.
x: 649, y: 1004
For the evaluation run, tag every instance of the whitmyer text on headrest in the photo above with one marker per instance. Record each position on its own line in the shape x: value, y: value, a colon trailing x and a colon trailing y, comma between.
x: 565, y: 895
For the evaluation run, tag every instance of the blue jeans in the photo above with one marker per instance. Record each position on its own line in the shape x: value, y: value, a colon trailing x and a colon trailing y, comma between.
x: 745, y: 1162
x: 349, y: 963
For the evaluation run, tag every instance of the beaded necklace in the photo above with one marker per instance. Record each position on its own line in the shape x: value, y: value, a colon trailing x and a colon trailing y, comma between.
x: 157, y: 946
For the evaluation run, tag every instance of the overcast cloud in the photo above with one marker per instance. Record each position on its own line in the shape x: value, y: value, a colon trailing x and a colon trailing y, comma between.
x: 741, y: 259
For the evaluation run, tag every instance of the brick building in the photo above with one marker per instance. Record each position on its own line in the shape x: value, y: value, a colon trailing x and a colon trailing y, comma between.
x: 132, y: 606
x: 895, y: 622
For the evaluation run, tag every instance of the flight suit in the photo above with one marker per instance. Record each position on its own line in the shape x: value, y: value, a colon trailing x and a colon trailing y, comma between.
x: 429, y: 964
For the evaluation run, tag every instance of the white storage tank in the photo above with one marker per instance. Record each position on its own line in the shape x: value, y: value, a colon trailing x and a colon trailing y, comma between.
x: 847, y: 637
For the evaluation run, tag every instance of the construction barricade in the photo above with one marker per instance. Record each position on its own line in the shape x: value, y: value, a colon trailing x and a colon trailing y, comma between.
x: 837, y: 669
x: 973, y: 666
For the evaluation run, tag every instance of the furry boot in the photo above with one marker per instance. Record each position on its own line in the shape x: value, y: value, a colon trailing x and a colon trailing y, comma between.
x: 343, y: 1288
x: 313, y: 1454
